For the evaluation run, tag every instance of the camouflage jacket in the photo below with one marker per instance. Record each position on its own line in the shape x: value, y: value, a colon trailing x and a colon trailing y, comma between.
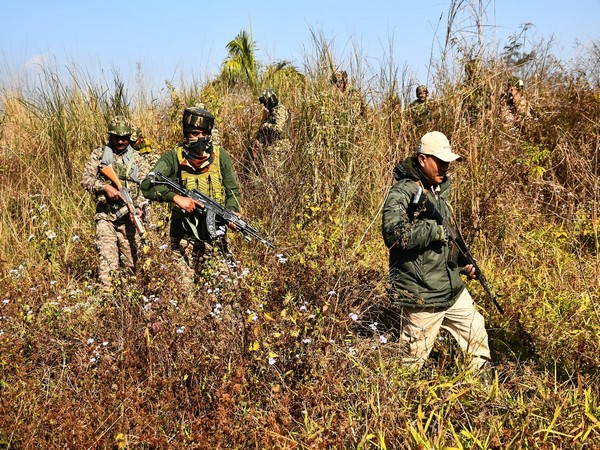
x: 276, y: 126
x: 419, y: 271
x: 93, y: 181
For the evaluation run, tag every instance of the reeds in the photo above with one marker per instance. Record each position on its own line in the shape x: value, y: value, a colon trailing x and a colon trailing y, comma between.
x: 269, y: 357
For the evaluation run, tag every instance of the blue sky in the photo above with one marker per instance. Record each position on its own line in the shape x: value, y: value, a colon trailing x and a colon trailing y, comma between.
x: 186, y: 39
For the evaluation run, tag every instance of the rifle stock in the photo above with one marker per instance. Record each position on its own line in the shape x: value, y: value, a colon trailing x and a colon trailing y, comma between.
x: 454, y: 236
x: 109, y: 172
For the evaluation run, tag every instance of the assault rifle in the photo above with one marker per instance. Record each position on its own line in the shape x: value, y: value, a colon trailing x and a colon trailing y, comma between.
x: 109, y: 172
x: 212, y: 209
x: 421, y: 201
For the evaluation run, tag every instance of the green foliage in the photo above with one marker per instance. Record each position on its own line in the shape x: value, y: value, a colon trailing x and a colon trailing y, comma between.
x: 275, y: 354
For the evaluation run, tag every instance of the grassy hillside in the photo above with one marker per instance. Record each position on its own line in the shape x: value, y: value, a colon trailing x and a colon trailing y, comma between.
x: 271, y: 356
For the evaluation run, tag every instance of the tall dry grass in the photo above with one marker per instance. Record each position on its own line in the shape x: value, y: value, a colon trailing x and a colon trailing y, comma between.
x: 270, y: 357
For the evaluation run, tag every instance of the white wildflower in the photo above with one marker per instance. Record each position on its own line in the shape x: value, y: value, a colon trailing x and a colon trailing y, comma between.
x: 163, y: 247
x: 31, y: 236
x: 75, y: 238
x: 90, y: 341
x: 303, y: 307
x: 331, y: 293
x: 353, y: 316
x: 50, y: 234
x: 373, y: 326
x: 306, y: 341
x: 180, y: 330
x: 382, y: 339
x: 6, y: 301
x: 351, y: 351
x: 53, y: 282
x: 272, y: 361
x: 282, y: 259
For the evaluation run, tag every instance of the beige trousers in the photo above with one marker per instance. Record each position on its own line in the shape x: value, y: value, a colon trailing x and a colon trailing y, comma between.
x: 421, y: 326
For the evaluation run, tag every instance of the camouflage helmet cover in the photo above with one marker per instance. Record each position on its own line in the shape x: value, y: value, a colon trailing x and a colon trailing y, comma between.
x: 422, y: 88
x: 269, y: 99
x: 120, y: 126
x: 196, y: 117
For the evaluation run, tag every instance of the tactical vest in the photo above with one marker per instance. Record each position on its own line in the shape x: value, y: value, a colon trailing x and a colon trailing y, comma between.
x: 123, y: 171
x: 209, y: 182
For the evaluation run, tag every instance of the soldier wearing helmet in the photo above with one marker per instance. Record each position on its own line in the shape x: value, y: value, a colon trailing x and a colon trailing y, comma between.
x: 419, y: 109
x: 196, y: 163
x: 340, y: 80
x: 272, y: 134
x: 116, y: 237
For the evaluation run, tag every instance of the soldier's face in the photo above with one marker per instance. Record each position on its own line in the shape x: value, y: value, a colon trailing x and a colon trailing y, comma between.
x: 422, y: 95
x: 433, y: 168
x: 194, y: 133
x: 119, y: 143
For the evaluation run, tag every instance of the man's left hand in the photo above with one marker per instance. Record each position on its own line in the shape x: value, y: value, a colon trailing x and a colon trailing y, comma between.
x: 470, y: 271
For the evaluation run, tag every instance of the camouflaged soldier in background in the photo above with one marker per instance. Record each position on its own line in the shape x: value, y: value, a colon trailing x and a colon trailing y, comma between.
x: 116, y: 237
x: 273, y: 134
x: 419, y: 109
x: 514, y: 105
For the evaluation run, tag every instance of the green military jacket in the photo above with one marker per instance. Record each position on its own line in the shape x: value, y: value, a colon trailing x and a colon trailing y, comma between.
x: 419, y: 270
x: 169, y: 166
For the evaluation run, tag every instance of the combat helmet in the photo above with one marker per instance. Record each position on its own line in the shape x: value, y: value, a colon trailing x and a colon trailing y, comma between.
x: 196, y: 117
x: 268, y: 99
x: 120, y: 126
x: 422, y: 88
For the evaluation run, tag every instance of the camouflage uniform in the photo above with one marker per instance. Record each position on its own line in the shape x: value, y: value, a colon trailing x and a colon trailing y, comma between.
x: 273, y: 133
x: 116, y: 237
x: 514, y: 105
x: 419, y: 109
x: 190, y: 240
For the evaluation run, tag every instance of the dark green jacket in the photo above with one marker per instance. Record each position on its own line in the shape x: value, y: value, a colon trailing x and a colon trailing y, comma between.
x: 168, y: 165
x: 419, y: 271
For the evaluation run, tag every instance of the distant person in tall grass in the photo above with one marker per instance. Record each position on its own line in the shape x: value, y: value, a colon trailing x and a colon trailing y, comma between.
x: 427, y: 292
x: 419, y: 108
x: 273, y: 134
x: 195, y: 163
x: 116, y: 237
x: 514, y: 104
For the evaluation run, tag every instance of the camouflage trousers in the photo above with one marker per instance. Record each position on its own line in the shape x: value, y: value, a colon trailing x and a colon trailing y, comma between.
x: 117, y: 248
x: 197, y: 259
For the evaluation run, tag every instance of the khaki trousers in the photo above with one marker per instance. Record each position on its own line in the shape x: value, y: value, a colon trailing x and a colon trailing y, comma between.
x: 421, y: 326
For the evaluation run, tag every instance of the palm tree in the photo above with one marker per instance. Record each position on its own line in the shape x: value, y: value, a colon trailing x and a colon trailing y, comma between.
x: 241, y: 63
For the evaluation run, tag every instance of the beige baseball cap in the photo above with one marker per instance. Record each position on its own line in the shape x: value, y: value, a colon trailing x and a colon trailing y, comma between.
x: 437, y: 144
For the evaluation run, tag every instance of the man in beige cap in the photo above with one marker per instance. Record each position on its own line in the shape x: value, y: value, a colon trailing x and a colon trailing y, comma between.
x: 427, y: 292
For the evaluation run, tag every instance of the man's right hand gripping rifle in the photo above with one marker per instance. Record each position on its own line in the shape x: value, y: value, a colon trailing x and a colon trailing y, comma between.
x: 192, y: 200
x: 447, y: 233
x: 118, y: 192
